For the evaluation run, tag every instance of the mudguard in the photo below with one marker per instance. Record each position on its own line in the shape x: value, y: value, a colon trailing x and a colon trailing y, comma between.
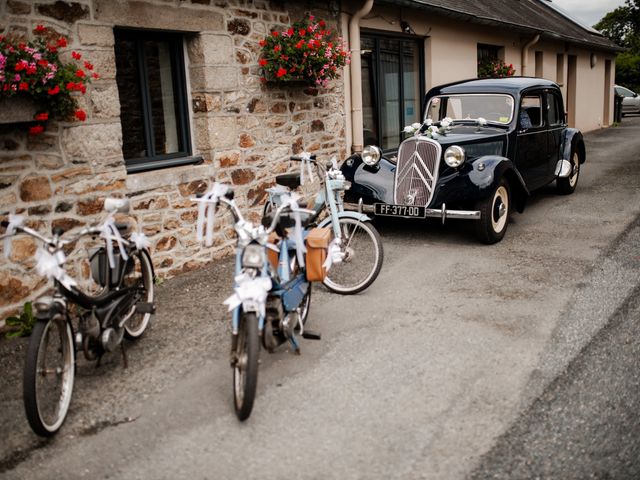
x: 346, y: 214
x: 488, y: 178
x: 573, y: 137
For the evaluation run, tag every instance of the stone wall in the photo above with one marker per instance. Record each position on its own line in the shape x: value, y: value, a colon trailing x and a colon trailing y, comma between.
x: 243, y: 130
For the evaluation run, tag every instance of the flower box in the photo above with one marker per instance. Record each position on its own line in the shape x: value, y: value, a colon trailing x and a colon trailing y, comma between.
x: 17, y: 110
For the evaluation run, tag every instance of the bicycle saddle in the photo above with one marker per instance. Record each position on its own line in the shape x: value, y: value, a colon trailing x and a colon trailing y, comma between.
x: 291, y: 180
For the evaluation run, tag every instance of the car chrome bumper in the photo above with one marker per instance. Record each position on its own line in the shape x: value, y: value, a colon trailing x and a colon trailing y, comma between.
x: 441, y: 213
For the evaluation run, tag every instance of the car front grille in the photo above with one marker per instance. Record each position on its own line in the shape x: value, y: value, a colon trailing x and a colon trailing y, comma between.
x: 416, y: 171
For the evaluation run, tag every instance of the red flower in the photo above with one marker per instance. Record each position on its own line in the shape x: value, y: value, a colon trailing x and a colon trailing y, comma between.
x: 71, y: 86
x: 23, y: 86
x: 277, y: 48
x: 43, y: 63
x: 42, y: 117
x: 54, y: 91
x: 62, y: 42
x: 76, y: 55
x: 281, y: 72
x: 274, y: 33
x: 290, y: 32
x: 52, y: 48
x: 36, y: 130
x: 300, y: 44
x: 262, y: 42
x: 322, y: 23
x: 262, y: 62
x: 80, y: 74
x: 302, y: 32
x: 81, y: 115
x: 31, y: 69
x: 88, y: 66
x: 95, y: 75
x: 40, y: 29
x: 263, y: 80
x: 21, y: 65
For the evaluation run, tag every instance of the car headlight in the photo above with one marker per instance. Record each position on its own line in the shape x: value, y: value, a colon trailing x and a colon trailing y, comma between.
x: 454, y: 156
x: 253, y: 256
x: 371, y: 155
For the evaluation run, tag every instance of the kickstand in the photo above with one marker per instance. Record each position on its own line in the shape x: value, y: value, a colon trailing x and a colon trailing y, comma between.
x: 125, y: 360
x: 296, y: 346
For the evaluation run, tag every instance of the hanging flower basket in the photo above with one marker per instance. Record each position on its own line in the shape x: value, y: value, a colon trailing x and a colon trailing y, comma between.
x: 33, y: 72
x: 495, y: 68
x: 307, y: 53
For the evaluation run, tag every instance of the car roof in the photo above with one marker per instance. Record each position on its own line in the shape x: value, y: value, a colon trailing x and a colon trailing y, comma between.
x: 511, y: 85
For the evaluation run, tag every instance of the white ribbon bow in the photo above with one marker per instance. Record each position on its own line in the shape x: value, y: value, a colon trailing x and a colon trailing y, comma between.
x: 210, y: 200
x: 109, y: 233
x: 140, y: 240
x: 292, y: 201
x: 14, y: 221
x: 334, y: 163
x: 249, y: 289
x: 49, y: 266
x: 305, y: 163
x: 334, y: 255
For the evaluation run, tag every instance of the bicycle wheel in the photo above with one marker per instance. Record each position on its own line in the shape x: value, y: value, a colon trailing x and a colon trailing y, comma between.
x: 142, y: 276
x: 48, y: 376
x: 363, y: 255
x: 245, y: 368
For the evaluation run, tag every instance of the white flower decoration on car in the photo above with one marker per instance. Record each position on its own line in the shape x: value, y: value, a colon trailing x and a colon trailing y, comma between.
x: 445, y: 122
x: 481, y: 121
x: 413, y: 128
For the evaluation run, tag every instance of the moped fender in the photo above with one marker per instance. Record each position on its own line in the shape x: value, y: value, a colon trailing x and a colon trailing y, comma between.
x: 346, y: 214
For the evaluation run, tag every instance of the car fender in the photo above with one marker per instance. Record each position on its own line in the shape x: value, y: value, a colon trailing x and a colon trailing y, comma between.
x: 487, y: 172
x: 572, y: 138
x: 346, y: 214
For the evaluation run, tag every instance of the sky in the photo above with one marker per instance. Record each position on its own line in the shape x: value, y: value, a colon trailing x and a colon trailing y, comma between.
x: 588, y: 12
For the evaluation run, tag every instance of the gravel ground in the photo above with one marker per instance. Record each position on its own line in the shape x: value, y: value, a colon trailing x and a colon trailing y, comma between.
x: 586, y: 424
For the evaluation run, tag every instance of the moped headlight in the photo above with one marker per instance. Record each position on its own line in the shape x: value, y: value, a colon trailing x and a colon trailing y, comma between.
x: 371, y: 155
x: 253, y: 256
x: 454, y: 156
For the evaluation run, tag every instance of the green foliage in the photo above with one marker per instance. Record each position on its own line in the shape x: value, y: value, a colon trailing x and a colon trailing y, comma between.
x: 628, y: 70
x: 21, y: 326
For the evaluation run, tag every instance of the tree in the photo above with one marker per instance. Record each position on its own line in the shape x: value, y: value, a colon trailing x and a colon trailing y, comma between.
x: 622, y: 26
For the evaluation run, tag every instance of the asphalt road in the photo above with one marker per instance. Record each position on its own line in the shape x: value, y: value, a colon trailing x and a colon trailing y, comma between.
x: 436, y: 371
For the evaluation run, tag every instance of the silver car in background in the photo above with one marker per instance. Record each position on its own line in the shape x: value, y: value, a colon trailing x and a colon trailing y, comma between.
x: 630, y: 99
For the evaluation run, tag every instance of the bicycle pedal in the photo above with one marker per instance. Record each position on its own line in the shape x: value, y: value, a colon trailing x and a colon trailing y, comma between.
x: 311, y: 335
x: 146, y: 307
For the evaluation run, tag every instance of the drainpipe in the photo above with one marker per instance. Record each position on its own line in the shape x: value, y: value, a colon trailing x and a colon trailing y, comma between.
x: 525, y: 53
x: 356, y: 77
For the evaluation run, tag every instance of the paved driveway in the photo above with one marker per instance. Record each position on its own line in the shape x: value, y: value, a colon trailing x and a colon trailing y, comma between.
x: 415, y: 378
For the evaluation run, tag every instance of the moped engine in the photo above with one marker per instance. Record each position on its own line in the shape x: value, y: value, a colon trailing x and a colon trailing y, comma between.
x: 272, y: 336
x: 111, y: 338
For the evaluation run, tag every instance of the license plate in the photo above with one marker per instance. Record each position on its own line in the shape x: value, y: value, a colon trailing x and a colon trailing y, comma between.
x: 407, y: 211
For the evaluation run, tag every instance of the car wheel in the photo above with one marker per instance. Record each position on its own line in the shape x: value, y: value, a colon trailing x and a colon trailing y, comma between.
x: 567, y: 186
x: 494, y: 214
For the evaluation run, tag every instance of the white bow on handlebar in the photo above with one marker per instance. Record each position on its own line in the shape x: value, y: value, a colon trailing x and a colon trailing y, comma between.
x: 140, y: 240
x: 249, y: 289
x: 291, y: 200
x: 209, y: 199
x: 305, y: 162
x: 14, y: 221
x: 49, y: 266
x: 334, y: 163
x: 109, y: 233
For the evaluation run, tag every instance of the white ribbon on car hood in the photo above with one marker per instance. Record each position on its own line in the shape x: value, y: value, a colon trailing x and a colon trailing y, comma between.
x: 210, y: 200
x: 109, y: 233
x: 14, y: 221
x: 305, y: 164
x: 334, y: 255
x: 252, y: 290
x: 292, y: 201
x: 49, y: 266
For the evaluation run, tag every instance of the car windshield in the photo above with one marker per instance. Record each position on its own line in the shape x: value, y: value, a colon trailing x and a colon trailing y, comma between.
x: 495, y: 108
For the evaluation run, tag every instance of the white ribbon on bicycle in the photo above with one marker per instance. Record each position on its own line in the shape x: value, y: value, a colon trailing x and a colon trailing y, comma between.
x: 110, y: 233
x: 50, y: 266
x: 250, y: 291
x: 292, y: 201
x: 140, y: 240
x: 305, y: 163
x: 210, y: 200
x: 334, y: 254
x: 14, y: 222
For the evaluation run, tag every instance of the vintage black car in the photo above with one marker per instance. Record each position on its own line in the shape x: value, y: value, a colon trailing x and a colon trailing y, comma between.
x: 483, y: 147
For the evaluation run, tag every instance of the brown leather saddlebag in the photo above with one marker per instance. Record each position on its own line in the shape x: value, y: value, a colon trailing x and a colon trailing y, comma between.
x: 317, y: 243
x: 272, y: 255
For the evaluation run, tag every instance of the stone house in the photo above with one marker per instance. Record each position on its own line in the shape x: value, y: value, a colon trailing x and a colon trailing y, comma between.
x: 179, y: 103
